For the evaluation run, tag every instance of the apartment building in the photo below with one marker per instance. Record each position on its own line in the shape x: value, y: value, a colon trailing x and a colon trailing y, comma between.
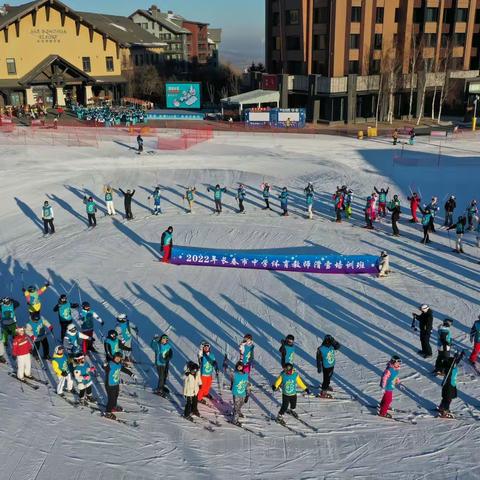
x: 331, y: 52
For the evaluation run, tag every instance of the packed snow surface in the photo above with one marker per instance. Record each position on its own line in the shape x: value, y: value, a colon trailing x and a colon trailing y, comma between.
x: 116, y: 268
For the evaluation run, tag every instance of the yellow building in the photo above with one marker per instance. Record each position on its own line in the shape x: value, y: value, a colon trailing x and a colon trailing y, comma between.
x: 50, y: 53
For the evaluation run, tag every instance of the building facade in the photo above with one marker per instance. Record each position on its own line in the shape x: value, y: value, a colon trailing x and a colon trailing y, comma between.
x: 332, y: 53
x: 197, y: 42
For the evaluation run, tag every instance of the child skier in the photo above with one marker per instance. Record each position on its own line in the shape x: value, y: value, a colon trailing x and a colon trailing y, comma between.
x: 450, y: 206
x: 241, y: 194
x: 239, y: 388
x: 217, y: 197
x: 426, y: 221
x: 32, y: 296
x: 61, y: 368
x: 112, y: 345
x: 64, y: 310
x: 387, y: 383
x: 326, y: 361
x: 124, y: 330
x: 108, y: 192
x: 460, y: 231
x: 191, y: 387
x: 382, y: 201
x: 163, y: 355
x: 309, y: 202
x: 338, y: 199
x: 266, y: 195
x: 189, y: 197
x: 73, y: 340
x: 156, y: 201
x: 8, y: 319
x: 415, y: 201
x: 395, y: 208
x: 166, y: 244
x: 384, y: 264
x: 82, y: 372
x: 21, y: 350
x: 472, y: 214
x: 112, y: 384
x: 287, y: 350
x: 91, y: 208
x: 87, y: 316
x: 207, y: 362
x: 37, y: 329
x: 449, y: 385
x: 475, y: 339
x: 246, y: 349
x: 444, y: 344
x: 289, y: 379
x: 284, y: 202
x: 348, y: 200
x: 47, y: 217
x: 368, y: 213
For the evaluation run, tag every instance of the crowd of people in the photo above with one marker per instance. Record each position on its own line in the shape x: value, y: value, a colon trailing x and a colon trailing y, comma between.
x: 108, y: 116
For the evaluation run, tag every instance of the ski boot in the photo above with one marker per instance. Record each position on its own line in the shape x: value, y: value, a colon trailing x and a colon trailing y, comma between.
x: 110, y: 416
x: 237, y: 424
x: 293, y: 413
x: 90, y: 399
x: 188, y: 417
x: 203, y: 401
x: 116, y: 409
x: 196, y: 413
x: 325, y: 394
x: 241, y: 415
x: 387, y: 415
x: 280, y: 420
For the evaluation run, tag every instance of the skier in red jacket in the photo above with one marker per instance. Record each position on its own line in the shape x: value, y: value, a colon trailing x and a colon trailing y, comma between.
x: 22, y: 347
x: 414, y: 203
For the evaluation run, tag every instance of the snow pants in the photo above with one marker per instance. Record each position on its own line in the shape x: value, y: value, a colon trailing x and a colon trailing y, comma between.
x: 191, y: 406
x: 426, y: 236
x: 8, y: 331
x: 156, y: 209
x: 413, y: 211
x: 448, y: 219
x: 309, y: 211
x: 395, y: 229
x: 24, y: 366
x: 267, y: 203
x: 458, y: 243
x: 63, y: 328
x: 288, y: 401
x: 386, y: 402
x: 205, y: 388
x: 62, y: 381
x: 425, y: 341
x: 448, y: 394
x: 327, y: 377
x: 92, y: 221
x: 83, y: 391
x: 338, y: 214
x: 162, y: 371
x: 112, y: 397
x: 238, y: 403
x: 110, y: 207
x: 382, y: 209
x: 48, y: 226
x: 128, y: 211
x: 442, y: 357
x: 45, y: 347
x: 240, y: 205
x: 190, y: 205
x: 475, y: 352
x: 218, y: 206
x: 167, y: 253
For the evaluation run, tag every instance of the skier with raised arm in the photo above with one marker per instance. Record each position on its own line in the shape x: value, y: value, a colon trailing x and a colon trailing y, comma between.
x: 64, y: 310
x: 127, y: 202
x: 217, y: 196
x: 124, y: 329
x: 32, y: 296
x: 87, y: 316
x: 108, y: 192
x: 163, y: 354
x: 382, y: 201
x: 157, y: 199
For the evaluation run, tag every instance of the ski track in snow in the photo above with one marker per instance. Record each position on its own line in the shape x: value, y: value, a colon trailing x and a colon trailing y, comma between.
x: 116, y: 268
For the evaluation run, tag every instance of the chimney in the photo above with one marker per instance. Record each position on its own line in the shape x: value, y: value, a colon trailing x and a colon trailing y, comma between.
x: 154, y: 11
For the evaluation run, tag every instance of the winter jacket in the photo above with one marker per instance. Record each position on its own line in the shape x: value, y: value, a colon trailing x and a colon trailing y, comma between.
x: 73, y: 343
x: 389, y: 378
x: 47, y: 212
x: 167, y: 239
x: 191, y: 384
x: 266, y: 191
x: 475, y: 332
x: 450, y: 205
x: 60, y: 364
x: 246, y: 352
x: 326, y: 355
x: 7, y: 313
x: 444, y: 340
x: 37, y: 329
x: 112, y: 373
x: 289, y: 383
x: 241, y: 194
x: 240, y: 384
x: 83, y: 375
x: 217, y: 192
x: 64, y: 311
x: 87, y: 317
x: 33, y: 299
x: 163, y: 352
x: 425, y: 321
x: 22, y: 345
x: 288, y: 353
x: 128, y: 196
x: 207, y: 364
x: 124, y: 331
x: 90, y: 206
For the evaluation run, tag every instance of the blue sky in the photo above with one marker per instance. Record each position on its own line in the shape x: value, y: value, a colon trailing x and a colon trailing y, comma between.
x: 242, y: 21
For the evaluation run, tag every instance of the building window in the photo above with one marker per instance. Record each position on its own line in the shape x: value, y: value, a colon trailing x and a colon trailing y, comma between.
x: 477, y: 15
x: 86, y: 64
x: 294, y: 67
x: 431, y: 15
x: 377, y: 41
x: 275, y: 18
x: 11, y: 67
x: 276, y: 43
x: 444, y: 39
x: 459, y: 39
x: 462, y: 15
x: 319, y: 42
x: 375, y: 67
x: 353, y: 66
x: 356, y: 15
x: 418, y: 15
x: 431, y: 39
x: 293, y: 42
x: 320, y: 15
x: 354, y: 40
x: 448, y: 15
x: 476, y: 40
x: 292, y: 17
x: 109, y: 64
x: 379, y: 15
x: 397, y: 15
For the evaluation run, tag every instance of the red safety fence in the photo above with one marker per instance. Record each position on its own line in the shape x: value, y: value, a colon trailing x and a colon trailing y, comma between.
x: 185, y: 139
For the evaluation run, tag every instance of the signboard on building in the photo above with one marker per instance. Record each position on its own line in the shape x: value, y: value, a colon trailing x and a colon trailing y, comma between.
x: 183, y: 95
x: 269, y: 82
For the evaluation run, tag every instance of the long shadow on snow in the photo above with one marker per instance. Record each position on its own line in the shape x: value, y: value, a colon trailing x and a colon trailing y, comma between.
x: 28, y: 212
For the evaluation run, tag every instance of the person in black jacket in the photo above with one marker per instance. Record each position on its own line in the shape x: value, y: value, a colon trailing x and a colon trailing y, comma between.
x: 394, y: 207
x: 450, y: 206
x: 425, y: 322
x: 128, y: 203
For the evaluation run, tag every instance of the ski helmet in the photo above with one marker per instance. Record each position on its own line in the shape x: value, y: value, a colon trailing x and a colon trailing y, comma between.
x: 122, y: 318
x: 58, y: 349
x: 383, y: 253
x: 290, y: 339
x: 7, y: 301
x: 112, y: 334
x: 395, y: 359
x: 72, y: 329
x: 164, y: 337
x: 239, y: 366
x: 288, y: 367
x: 35, y: 316
x: 247, y: 337
x: 192, y: 367
x: 448, y: 322
x: 86, y: 306
x: 328, y: 340
x: 32, y: 288
x: 78, y: 357
x: 206, y: 345
x: 62, y: 299
x: 424, y: 308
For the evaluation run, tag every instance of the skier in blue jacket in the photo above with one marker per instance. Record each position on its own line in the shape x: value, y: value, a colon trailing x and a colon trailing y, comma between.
x: 287, y: 350
x: 326, y: 362
x: 217, y: 196
x: 163, y: 355
x: 284, y: 201
x: 239, y: 388
x: 112, y: 383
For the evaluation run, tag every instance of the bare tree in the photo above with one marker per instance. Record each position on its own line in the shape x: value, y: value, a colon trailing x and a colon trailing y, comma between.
x: 447, y: 64
x: 413, y: 66
x: 426, y: 68
x: 211, y: 92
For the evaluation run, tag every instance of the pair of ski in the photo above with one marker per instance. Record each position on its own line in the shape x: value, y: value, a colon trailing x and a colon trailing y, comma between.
x: 29, y: 381
x: 128, y: 423
x: 199, y: 422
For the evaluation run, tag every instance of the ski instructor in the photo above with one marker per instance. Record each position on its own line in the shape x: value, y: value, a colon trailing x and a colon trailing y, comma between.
x: 166, y: 244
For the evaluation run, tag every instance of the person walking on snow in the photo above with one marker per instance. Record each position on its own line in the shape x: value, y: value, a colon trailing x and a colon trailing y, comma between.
x: 189, y: 197
x: 460, y: 231
x: 207, y: 362
x: 32, y: 296
x: 127, y: 202
x: 382, y: 201
x: 287, y: 350
x: 82, y: 373
x: 326, y: 362
x: 37, y: 329
x: 444, y: 345
x: 426, y: 221
x: 113, y: 368
x: 338, y: 199
x: 61, y: 368
x: 21, y: 350
x: 166, y: 244
x: 156, y: 201
x: 73, y: 340
x: 284, y: 202
x: 64, y: 310
x: 91, y: 208
x: 425, y: 322
x: 472, y: 214
x: 265, y: 187
x: 246, y: 349
x: 347, y: 202
x: 475, y: 339
x: 191, y: 387
x: 239, y: 387
x: 433, y: 207
x: 87, y: 316
x: 241, y: 194
x: 388, y: 383
x: 450, y: 206
x: 368, y: 213
x: 108, y: 192
x: 163, y: 355
x: 309, y: 203
x: 384, y: 264
x: 124, y: 330
x: 217, y: 197
x: 289, y: 380
x: 47, y: 217
x: 8, y: 319
x: 395, y: 208
x: 415, y: 201
x: 139, y: 144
